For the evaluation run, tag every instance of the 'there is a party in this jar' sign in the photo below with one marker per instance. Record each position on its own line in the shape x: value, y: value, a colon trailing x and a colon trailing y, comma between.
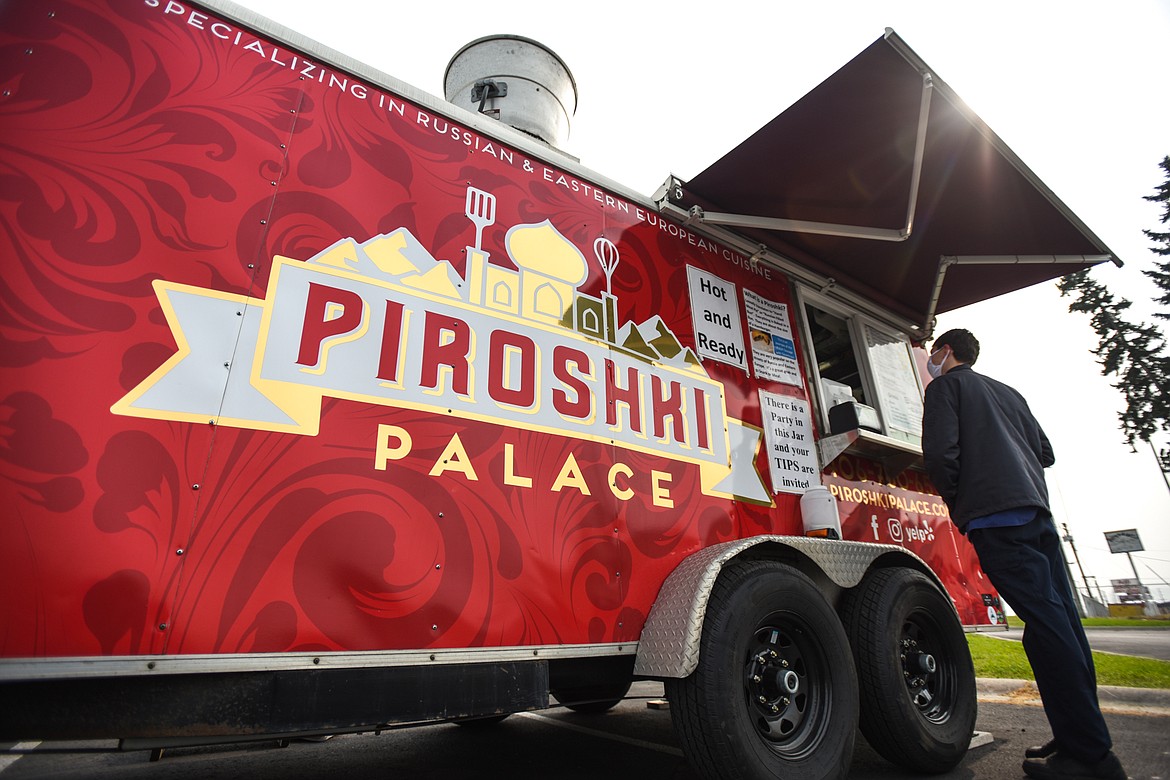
x: 792, y: 456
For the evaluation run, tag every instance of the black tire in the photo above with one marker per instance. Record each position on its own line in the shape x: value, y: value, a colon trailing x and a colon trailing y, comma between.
x: 593, y: 699
x: 918, y: 699
x: 774, y: 694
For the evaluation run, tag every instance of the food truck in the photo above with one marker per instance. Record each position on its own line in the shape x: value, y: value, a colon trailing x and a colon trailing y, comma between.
x: 330, y: 406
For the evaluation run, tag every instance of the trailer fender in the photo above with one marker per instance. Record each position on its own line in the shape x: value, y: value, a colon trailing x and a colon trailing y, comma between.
x: 669, y: 645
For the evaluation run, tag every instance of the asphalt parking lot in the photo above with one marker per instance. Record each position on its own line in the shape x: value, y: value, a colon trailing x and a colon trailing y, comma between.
x: 633, y: 741
x: 1152, y: 642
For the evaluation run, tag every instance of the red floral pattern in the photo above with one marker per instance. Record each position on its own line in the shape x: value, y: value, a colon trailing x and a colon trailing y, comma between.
x: 140, y: 145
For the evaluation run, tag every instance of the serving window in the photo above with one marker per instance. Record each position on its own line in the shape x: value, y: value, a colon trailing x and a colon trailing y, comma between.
x: 864, y: 380
x: 835, y: 355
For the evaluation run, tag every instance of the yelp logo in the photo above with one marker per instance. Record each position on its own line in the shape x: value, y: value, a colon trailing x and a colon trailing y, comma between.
x: 924, y: 534
x: 898, y: 533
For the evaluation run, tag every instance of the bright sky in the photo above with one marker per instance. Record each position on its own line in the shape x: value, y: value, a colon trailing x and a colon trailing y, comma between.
x: 1076, y: 89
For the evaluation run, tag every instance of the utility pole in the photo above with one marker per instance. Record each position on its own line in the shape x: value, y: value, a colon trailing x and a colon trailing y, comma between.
x: 1068, y: 538
x: 1072, y: 583
x: 1163, y: 459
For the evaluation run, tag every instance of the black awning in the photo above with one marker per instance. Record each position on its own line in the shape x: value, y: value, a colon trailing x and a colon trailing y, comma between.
x: 845, y: 154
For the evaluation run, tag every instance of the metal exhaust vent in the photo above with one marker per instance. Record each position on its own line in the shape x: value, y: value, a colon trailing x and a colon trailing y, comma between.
x: 516, y: 80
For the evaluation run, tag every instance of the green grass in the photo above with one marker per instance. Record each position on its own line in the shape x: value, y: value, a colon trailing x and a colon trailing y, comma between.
x: 1123, y: 622
x: 1006, y: 659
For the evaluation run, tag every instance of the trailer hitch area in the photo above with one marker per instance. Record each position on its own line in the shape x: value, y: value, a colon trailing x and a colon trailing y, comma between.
x: 485, y: 89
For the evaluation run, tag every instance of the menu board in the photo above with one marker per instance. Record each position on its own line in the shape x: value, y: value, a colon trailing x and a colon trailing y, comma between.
x: 773, y: 348
x: 900, y: 398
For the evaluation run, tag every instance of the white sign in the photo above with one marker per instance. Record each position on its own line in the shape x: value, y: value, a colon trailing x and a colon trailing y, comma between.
x: 896, y: 378
x: 715, y: 308
x: 792, y: 458
x: 773, y: 349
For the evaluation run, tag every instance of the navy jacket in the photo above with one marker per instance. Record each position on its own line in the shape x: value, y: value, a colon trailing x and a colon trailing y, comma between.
x: 984, y: 450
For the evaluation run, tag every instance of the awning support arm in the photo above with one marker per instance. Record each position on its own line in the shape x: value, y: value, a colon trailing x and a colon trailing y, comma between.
x: 698, y: 215
x: 795, y: 271
x: 946, y: 261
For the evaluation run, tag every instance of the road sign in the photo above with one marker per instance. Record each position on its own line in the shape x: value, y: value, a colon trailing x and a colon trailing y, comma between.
x: 1130, y: 586
x: 1124, y: 541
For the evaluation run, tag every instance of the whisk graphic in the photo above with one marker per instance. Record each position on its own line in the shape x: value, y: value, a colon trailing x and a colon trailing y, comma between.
x: 608, y: 257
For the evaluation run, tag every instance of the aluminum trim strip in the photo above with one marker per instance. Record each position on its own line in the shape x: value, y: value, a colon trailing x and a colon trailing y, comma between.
x: 22, y: 669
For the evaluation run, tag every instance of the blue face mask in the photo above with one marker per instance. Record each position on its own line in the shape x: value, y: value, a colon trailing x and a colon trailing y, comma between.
x: 935, y: 369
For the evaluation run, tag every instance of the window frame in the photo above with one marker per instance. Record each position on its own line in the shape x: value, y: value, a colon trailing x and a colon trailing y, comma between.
x: 856, y: 321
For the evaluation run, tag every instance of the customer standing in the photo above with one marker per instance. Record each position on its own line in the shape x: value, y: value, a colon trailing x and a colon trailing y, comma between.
x: 986, y: 454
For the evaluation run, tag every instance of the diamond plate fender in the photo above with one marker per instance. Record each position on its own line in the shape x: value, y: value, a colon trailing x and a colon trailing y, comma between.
x: 669, y: 645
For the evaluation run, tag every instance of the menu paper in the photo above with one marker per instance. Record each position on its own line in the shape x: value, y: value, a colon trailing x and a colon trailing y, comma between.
x: 773, y: 347
x: 897, y: 384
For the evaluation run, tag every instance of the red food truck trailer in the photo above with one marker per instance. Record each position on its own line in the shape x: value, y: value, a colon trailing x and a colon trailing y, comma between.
x: 329, y: 405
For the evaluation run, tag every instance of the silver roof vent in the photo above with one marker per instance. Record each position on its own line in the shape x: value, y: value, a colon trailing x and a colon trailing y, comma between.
x: 516, y: 80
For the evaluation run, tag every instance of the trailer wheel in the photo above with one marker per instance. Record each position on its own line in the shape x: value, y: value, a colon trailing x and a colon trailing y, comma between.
x: 918, y: 699
x: 594, y: 699
x: 774, y: 693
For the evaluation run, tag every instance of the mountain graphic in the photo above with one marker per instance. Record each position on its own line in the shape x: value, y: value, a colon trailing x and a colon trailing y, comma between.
x: 652, y: 339
x: 656, y: 334
x: 630, y: 339
x: 397, y: 257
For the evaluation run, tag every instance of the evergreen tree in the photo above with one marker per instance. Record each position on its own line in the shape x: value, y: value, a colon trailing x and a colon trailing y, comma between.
x: 1161, y: 272
x: 1134, y: 353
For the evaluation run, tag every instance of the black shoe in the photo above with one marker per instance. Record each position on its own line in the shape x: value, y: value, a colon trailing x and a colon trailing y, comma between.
x: 1041, y: 751
x: 1061, y: 767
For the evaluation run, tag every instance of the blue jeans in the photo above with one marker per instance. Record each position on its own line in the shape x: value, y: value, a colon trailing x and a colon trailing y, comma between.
x: 1026, y: 566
